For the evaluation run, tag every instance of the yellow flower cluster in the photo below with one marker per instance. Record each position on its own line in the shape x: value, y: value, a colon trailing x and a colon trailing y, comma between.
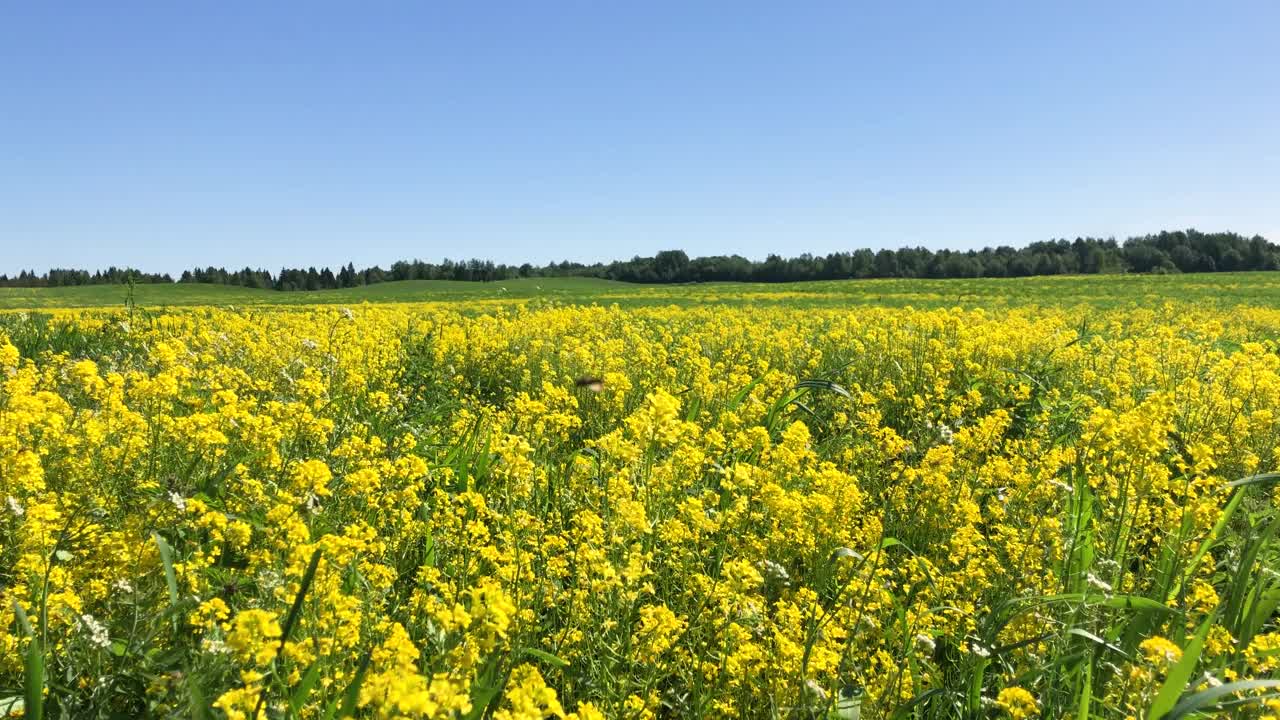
x: 433, y: 511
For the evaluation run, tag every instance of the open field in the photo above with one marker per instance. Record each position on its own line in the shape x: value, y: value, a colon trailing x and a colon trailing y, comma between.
x: 1217, y: 289
x: 880, y: 499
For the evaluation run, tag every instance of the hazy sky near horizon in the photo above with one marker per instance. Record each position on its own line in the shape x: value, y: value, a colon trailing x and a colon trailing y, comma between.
x: 167, y: 135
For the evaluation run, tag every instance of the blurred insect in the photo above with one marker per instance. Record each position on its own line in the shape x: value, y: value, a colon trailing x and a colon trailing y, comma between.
x: 594, y: 384
x: 229, y: 589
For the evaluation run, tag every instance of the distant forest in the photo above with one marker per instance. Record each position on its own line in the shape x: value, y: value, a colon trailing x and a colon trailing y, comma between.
x: 1165, y: 252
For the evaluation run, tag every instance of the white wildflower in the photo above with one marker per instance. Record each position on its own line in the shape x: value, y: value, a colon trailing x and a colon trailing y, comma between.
x: 773, y: 572
x: 310, y: 344
x: 123, y: 585
x: 1099, y: 583
x: 15, y: 507
x: 178, y: 501
x: 979, y: 650
x: 215, y: 646
x: 346, y: 313
x: 269, y: 580
x: 924, y: 643
x: 96, y: 631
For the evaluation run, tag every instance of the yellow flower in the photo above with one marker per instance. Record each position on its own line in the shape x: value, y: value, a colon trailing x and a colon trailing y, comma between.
x: 527, y: 697
x: 254, y: 636
x: 1018, y: 703
x: 210, y: 614
x: 1160, y: 651
x: 312, y: 477
x: 659, y: 629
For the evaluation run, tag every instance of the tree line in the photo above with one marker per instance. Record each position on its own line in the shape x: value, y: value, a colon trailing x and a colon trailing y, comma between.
x: 1164, y: 252
x: 65, y: 277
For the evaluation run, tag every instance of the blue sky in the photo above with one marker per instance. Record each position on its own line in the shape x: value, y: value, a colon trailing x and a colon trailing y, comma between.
x: 165, y: 135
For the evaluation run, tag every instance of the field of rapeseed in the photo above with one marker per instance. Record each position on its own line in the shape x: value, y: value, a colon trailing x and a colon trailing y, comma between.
x: 561, y: 511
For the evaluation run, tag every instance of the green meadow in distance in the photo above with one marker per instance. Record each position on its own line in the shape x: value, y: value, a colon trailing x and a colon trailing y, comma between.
x: 1259, y: 289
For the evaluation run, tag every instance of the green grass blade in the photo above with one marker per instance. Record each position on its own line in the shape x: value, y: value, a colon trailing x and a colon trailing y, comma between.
x: 1255, y: 480
x: 1099, y: 641
x: 1118, y: 602
x: 1207, y: 699
x: 351, y: 697
x: 905, y: 711
x: 1180, y: 674
x: 1194, y: 564
x: 1086, y: 693
x: 32, y: 667
x: 197, y: 702
x: 298, y: 699
x: 546, y: 657
x: 166, y: 558
x: 1261, y: 611
x: 829, y: 386
x: 296, y: 609
x: 33, y: 679
x: 292, y: 618
x: 23, y: 621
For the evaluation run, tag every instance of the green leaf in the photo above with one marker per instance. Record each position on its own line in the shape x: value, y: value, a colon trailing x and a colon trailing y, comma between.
x: 975, y: 685
x: 546, y: 657
x: 481, y: 696
x: 166, y: 558
x: 488, y: 686
x: 1119, y: 602
x: 298, y: 699
x: 295, y: 610
x: 33, y: 679
x: 1262, y: 610
x: 32, y: 667
x: 1206, y: 699
x: 1095, y: 639
x: 1086, y: 693
x: 904, y: 711
x: 1176, y: 681
x: 1214, y: 534
x: 695, y: 407
x: 742, y: 394
x: 817, y: 384
x: 1255, y: 480
x: 429, y: 554
x: 351, y: 697
x: 23, y: 622
x: 197, y: 702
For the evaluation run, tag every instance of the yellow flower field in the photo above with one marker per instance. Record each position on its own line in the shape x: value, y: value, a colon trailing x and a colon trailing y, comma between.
x: 454, y: 511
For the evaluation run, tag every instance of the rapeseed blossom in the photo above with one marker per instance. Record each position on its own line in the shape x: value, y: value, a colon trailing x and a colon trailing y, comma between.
x: 420, y: 511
